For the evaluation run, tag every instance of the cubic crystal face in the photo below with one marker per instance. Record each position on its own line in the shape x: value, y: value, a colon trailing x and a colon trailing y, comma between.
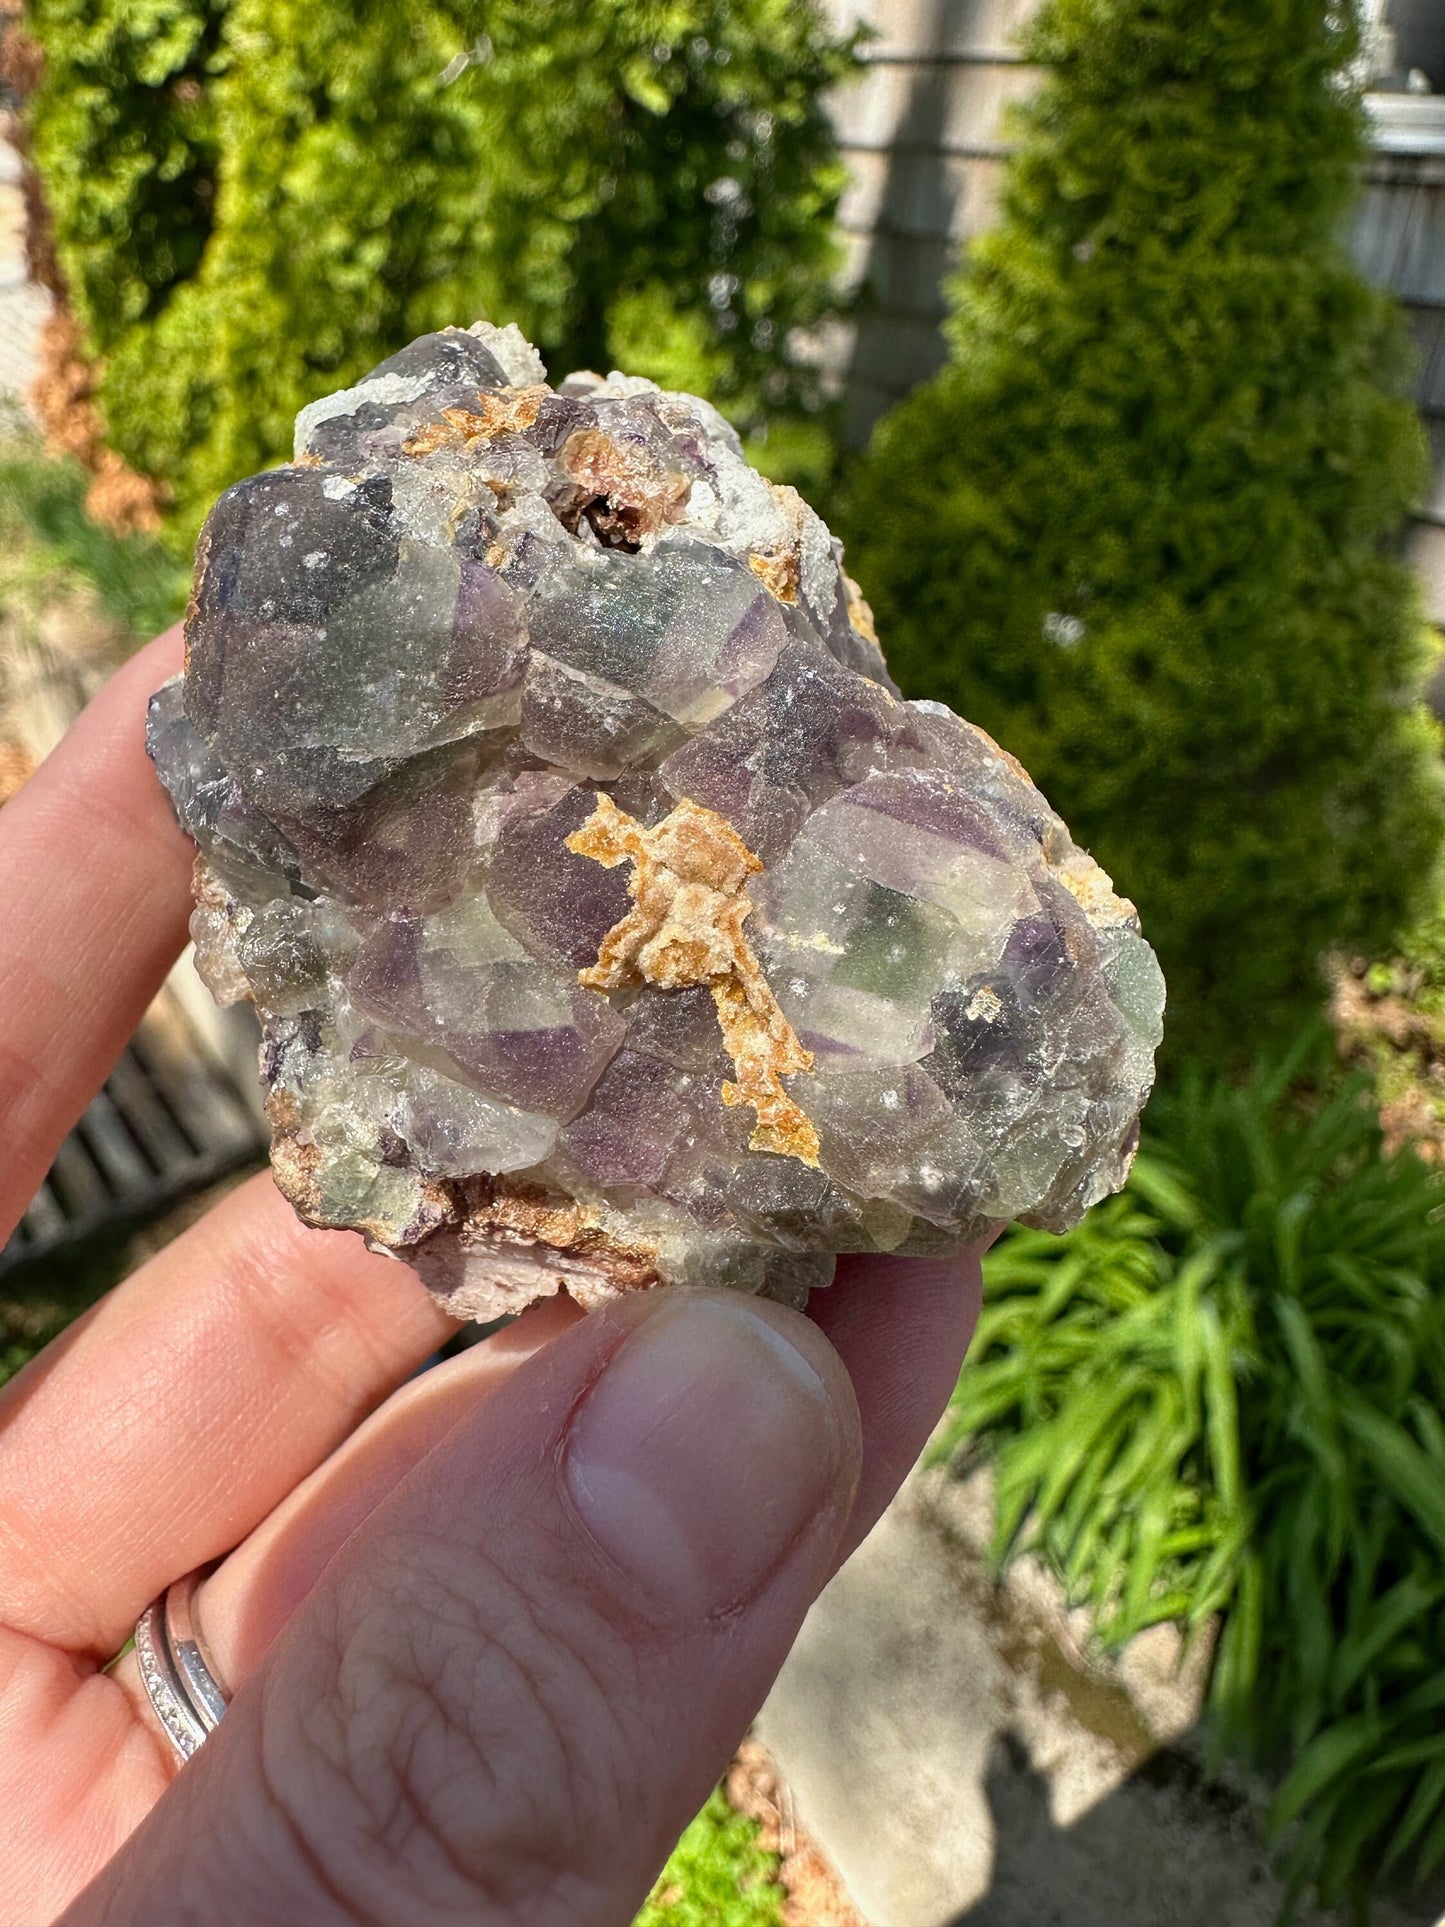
x: 610, y: 919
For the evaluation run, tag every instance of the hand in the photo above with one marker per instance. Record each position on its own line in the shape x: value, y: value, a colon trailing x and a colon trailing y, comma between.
x: 492, y: 1636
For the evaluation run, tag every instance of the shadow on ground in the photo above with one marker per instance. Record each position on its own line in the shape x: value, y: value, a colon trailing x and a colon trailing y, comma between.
x: 965, y: 1763
x: 1108, y: 1865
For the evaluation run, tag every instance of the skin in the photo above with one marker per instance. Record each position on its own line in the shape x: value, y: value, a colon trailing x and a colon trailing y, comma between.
x: 493, y: 1633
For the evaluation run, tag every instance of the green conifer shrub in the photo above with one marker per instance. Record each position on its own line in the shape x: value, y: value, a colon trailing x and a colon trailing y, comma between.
x: 255, y: 200
x: 123, y: 133
x: 1144, y: 525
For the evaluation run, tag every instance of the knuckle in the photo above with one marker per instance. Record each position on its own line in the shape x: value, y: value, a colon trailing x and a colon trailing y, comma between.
x: 470, y: 1753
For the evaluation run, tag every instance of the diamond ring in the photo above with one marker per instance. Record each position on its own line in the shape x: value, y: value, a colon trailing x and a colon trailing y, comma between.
x: 177, y: 1671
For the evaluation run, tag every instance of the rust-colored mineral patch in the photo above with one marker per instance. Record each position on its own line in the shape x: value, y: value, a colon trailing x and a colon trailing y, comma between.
x: 504, y: 1211
x: 780, y: 569
x: 686, y: 930
x: 503, y: 411
x: 619, y: 489
x: 299, y: 1166
x: 779, y: 574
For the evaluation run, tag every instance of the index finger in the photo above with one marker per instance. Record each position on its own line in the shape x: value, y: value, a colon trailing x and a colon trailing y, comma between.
x: 94, y: 897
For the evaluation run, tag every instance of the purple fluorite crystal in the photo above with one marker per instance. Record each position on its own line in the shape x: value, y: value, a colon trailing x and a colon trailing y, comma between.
x: 610, y: 919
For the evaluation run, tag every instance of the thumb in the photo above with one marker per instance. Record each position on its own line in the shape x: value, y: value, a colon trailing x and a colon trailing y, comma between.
x: 519, y: 1679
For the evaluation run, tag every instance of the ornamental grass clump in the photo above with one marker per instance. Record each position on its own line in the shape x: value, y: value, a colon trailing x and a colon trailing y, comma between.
x: 255, y: 200
x: 1222, y: 1393
x: 51, y: 551
x: 1163, y: 478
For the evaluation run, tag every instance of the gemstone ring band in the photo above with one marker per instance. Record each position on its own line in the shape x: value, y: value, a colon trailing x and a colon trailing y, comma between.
x: 176, y: 1670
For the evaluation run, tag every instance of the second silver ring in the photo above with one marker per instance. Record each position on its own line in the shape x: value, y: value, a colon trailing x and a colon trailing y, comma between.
x: 178, y: 1673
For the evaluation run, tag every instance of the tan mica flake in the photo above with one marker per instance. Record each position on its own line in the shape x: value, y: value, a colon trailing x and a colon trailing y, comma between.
x: 860, y: 615
x: 779, y: 574
x: 619, y: 487
x: 504, y: 1211
x: 1092, y: 888
x: 502, y: 411
x: 216, y: 923
x: 685, y: 930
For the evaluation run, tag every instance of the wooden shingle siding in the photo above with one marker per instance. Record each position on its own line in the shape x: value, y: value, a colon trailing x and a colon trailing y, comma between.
x: 1427, y: 329
x: 935, y: 197
x: 1398, y: 231
x: 922, y: 134
x: 945, y: 29
x: 931, y: 107
x: 1397, y: 236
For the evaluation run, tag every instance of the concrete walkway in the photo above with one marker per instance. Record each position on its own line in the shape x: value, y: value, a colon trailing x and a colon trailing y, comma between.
x: 962, y: 1763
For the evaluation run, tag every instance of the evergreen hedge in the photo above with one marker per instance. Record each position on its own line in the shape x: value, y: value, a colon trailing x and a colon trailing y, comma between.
x: 256, y: 200
x: 1144, y: 526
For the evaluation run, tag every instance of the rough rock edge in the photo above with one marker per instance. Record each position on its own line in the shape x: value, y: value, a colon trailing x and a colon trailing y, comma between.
x: 540, y: 1242
x: 591, y: 1258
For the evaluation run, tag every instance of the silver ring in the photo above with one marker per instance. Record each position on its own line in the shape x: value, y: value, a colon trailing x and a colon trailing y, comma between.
x: 176, y: 1670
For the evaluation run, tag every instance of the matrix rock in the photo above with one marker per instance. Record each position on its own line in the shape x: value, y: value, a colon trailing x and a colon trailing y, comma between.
x: 610, y: 919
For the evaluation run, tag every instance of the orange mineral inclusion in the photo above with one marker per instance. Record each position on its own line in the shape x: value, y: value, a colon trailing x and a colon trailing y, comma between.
x: 685, y: 929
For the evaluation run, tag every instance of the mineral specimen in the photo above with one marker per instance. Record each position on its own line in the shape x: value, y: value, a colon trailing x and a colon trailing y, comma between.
x: 610, y: 919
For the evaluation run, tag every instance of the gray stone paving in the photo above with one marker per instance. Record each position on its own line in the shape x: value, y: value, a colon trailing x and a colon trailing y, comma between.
x: 963, y: 1765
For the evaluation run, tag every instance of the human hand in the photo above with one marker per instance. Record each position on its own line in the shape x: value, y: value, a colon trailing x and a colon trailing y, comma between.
x: 492, y: 1636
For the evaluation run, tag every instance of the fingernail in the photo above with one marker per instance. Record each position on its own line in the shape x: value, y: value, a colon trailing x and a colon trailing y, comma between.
x: 704, y: 1452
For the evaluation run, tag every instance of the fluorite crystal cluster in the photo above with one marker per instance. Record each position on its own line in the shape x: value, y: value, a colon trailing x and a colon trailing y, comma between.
x: 610, y: 919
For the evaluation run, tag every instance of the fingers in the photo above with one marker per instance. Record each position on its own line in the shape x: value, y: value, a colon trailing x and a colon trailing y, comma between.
x: 94, y: 897
x: 902, y: 1327
x: 78, y: 1773
x: 250, y: 1598
x: 178, y: 1414
x: 518, y: 1678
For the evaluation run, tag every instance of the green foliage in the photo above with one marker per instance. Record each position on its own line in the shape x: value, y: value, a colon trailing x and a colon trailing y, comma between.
x: 49, y: 547
x: 1389, y: 1016
x: 124, y: 135
x: 257, y: 200
x: 1143, y: 526
x: 1224, y: 1392
x: 1419, y: 969
x: 40, y: 1298
x: 718, y: 1876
